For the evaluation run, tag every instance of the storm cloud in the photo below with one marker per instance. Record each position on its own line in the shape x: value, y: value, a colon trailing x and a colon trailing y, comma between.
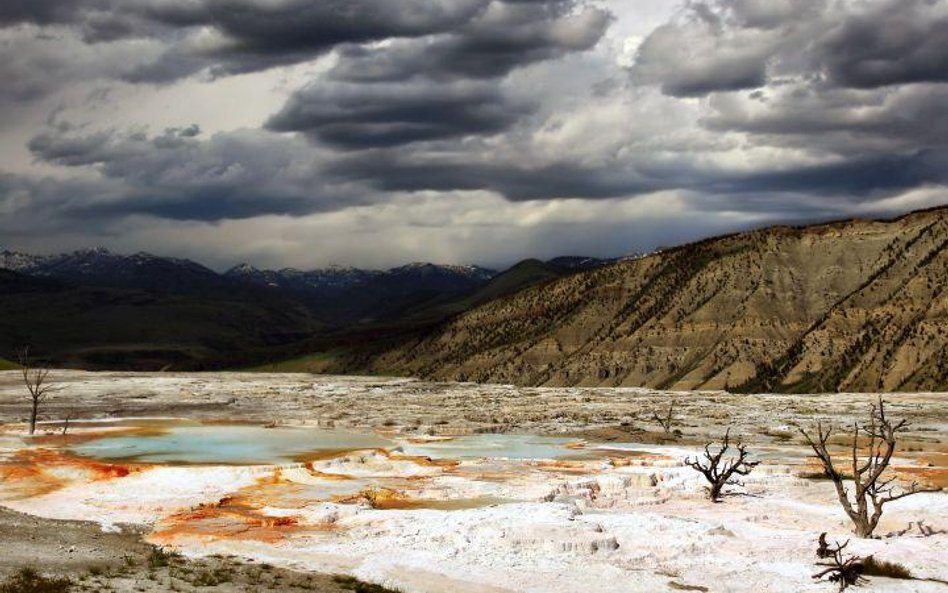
x: 359, y: 116
x: 507, y: 35
x: 896, y: 43
x: 175, y: 175
x: 727, y: 45
x: 136, y: 122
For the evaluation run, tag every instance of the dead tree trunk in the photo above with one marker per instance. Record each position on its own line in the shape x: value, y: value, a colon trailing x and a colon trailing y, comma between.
x: 871, y: 490
x: 720, y: 471
x: 35, y: 378
x: 666, y: 421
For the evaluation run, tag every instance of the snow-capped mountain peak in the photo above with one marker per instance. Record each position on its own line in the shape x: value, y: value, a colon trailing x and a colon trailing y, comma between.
x: 20, y: 262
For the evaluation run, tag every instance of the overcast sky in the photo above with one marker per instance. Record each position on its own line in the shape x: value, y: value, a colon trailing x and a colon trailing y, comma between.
x: 376, y: 132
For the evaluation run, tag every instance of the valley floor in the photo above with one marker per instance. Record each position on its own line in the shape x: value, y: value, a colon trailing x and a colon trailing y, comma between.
x: 471, y: 488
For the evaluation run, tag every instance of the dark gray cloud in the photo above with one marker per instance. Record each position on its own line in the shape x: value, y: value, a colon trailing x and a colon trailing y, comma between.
x: 899, y: 42
x: 362, y: 116
x: 231, y: 176
x: 710, y: 47
x: 235, y: 36
x: 389, y: 171
x: 728, y: 45
x: 290, y: 25
x: 867, y: 177
x: 664, y: 59
x: 766, y: 14
x: 410, y: 91
x: 864, y: 178
x: 36, y: 65
x: 256, y: 24
x: 842, y: 121
x: 849, y: 91
x: 474, y: 38
x: 175, y: 175
x: 504, y: 37
x: 96, y: 20
x: 303, y: 24
x: 44, y: 12
x: 255, y: 34
x: 743, y: 70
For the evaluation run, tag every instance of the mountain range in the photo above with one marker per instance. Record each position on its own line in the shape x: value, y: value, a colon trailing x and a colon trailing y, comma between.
x: 100, y: 267
x: 855, y: 305
x: 343, y: 295
x: 126, y: 310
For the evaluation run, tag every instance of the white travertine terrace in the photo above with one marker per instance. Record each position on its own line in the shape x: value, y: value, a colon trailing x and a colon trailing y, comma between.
x: 610, y: 516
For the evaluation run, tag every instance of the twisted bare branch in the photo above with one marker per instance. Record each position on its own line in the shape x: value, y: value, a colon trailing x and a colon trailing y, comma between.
x: 720, y: 471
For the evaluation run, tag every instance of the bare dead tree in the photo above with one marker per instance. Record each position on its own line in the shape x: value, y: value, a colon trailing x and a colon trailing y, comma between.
x: 871, y: 490
x: 35, y: 377
x: 721, y: 471
x: 69, y: 414
x: 845, y: 571
x: 666, y: 421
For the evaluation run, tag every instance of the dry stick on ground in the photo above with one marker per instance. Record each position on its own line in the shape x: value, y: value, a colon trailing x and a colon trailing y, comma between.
x: 846, y: 572
x: 720, y: 471
x: 871, y: 489
x: 923, y: 529
x: 35, y: 379
x: 666, y: 422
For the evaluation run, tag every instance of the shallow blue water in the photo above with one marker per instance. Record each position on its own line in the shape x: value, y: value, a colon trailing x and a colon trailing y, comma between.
x: 497, y: 446
x: 250, y: 445
x: 246, y: 445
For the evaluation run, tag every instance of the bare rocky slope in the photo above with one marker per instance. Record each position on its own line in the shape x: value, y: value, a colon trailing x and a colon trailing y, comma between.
x: 850, y: 306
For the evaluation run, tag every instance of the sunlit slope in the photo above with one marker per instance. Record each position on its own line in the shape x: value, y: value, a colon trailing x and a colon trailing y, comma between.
x: 857, y: 305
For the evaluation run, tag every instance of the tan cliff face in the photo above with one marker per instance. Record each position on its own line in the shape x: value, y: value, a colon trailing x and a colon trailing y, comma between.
x: 857, y: 306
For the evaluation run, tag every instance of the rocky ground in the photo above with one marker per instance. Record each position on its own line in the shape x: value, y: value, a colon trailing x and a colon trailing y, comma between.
x: 121, y: 562
x: 409, y: 406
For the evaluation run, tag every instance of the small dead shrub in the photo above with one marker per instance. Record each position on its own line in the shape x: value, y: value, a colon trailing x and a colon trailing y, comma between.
x: 160, y: 557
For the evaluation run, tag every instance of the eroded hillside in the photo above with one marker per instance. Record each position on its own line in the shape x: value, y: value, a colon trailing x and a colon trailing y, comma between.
x: 857, y: 305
